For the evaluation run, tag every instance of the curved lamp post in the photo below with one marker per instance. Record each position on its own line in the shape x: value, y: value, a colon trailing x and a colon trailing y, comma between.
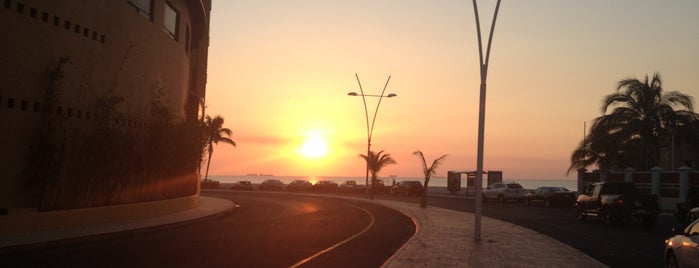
x: 370, y: 128
x: 481, y: 115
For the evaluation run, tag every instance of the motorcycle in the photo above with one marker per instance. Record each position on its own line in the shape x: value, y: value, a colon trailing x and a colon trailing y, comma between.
x: 687, y: 212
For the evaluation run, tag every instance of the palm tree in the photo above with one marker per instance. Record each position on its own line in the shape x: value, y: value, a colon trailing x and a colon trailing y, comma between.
x: 640, y: 122
x: 376, y: 161
x: 428, y: 171
x: 215, y: 133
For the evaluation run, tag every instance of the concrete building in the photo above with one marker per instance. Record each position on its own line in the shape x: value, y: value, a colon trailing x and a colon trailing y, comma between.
x: 133, y: 49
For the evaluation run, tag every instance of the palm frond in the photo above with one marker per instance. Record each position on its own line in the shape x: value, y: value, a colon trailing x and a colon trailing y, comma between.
x: 422, y: 159
x: 634, y: 125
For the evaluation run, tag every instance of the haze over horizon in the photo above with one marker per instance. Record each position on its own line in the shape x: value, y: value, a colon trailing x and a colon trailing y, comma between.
x: 279, y: 73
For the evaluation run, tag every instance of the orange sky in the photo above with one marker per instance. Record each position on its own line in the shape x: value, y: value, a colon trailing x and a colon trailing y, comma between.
x: 279, y: 72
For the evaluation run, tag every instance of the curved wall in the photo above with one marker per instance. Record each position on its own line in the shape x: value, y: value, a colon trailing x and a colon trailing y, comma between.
x: 113, y: 49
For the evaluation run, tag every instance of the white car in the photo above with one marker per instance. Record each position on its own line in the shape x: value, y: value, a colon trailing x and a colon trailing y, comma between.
x: 682, y: 250
x: 503, y: 191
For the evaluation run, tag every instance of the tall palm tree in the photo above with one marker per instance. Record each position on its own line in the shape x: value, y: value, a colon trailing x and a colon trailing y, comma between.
x: 428, y: 171
x: 376, y: 161
x: 215, y: 133
x: 638, y: 125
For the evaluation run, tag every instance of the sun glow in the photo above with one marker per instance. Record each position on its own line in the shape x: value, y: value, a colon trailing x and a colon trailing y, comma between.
x: 314, y: 147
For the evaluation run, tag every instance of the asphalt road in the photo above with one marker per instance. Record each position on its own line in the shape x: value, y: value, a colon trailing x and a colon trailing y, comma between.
x: 279, y: 230
x: 625, y: 245
x: 266, y: 230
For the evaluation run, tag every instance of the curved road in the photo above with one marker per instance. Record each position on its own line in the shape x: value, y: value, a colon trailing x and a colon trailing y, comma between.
x: 266, y: 230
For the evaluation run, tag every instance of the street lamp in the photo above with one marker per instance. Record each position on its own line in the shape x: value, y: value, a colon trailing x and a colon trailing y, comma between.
x: 483, y: 63
x: 370, y: 128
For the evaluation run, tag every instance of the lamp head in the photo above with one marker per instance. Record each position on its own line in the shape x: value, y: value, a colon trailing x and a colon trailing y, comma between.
x: 352, y: 93
x: 391, y: 95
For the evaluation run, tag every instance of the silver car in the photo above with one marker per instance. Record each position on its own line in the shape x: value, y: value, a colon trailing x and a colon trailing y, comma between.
x: 682, y: 250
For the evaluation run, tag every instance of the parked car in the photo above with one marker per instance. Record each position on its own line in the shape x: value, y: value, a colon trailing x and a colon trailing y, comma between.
x: 272, y: 185
x: 350, y: 187
x: 242, y: 185
x: 503, y: 191
x: 325, y: 186
x: 380, y: 187
x: 550, y: 196
x: 682, y: 250
x: 210, y: 184
x: 299, y: 186
x: 617, y: 201
x: 408, y: 188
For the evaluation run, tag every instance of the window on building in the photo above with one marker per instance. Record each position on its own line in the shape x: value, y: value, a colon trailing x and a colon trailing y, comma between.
x: 143, y: 7
x: 170, y: 20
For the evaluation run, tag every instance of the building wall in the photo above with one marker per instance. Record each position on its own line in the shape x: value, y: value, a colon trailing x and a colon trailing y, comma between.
x: 113, y: 49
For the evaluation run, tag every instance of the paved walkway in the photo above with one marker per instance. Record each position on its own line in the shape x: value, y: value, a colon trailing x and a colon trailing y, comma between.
x: 444, y: 238
x: 207, y: 207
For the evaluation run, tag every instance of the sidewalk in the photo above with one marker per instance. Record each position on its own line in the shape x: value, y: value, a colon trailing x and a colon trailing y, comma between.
x: 207, y: 207
x: 444, y: 238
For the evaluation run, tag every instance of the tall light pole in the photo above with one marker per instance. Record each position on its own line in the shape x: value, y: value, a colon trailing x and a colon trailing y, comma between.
x: 481, y: 115
x: 370, y: 129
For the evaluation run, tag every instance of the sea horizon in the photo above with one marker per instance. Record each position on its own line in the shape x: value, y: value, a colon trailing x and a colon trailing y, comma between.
x: 437, y: 181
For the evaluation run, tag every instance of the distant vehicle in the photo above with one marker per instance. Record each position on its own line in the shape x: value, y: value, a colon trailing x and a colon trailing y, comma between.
x: 380, y: 187
x: 503, y: 191
x: 210, y: 184
x: 682, y: 250
x: 242, y: 185
x: 350, y: 187
x: 272, y: 185
x: 550, y: 196
x: 299, y: 186
x: 325, y: 187
x: 617, y: 201
x: 408, y: 188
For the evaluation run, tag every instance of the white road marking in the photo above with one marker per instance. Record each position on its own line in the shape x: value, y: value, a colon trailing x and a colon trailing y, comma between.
x: 304, y: 261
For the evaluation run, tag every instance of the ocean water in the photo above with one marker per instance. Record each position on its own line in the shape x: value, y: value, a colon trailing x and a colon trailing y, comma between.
x: 571, y: 183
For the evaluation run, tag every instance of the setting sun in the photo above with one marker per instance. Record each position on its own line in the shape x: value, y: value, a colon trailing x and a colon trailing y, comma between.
x: 280, y: 79
x: 314, y: 147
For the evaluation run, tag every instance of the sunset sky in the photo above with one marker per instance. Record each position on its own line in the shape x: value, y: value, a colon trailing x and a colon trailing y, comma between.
x: 279, y: 73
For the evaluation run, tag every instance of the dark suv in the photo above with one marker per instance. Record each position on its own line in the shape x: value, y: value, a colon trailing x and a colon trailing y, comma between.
x: 408, y: 188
